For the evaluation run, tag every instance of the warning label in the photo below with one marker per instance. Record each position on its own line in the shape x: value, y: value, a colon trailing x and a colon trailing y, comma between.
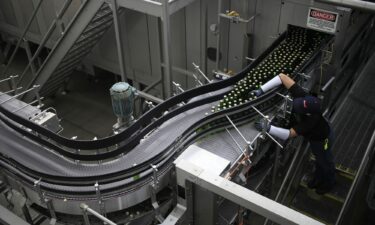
x: 322, y: 20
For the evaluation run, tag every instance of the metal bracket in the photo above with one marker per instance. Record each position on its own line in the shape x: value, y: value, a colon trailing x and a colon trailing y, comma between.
x: 178, y: 89
x: 266, y: 118
x: 196, y: 67
x: 13, y: 83
x: 326, y: 56
x: 248, y: 147
x: 36, y: 91
x: 39, y: 190
x: 85, y: 208
x: 198, y: 83
x: 18, y: 95
x: 150, y: 104
x: 250, y: 59
x: 234, y: 17
x: 303, y: 80
x: 100, y: 200
x: 153, y: 189
x: 287, y: 106
x: 52, y: 212
x: 221, y: 75
x: 47, y: 202
x: 77, y: 150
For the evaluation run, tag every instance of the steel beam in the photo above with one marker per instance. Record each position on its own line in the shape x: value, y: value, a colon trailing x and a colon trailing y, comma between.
x: 167, y: 72
x: 219, y: 9
x: 356, y: 4
x: 174, y: 217
x: 176, y: 5
x: 9, y: 218
x: 240, y: 195
x: 150, y: 7
x: 149, y: 97
x: 120, y: 47
x: 15, y: 31
x: 85, y: 208
x: 72, y: 33
x: 24, y: 32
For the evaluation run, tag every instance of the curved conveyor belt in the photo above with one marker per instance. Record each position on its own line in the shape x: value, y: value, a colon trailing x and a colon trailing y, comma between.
x: 24, y: 153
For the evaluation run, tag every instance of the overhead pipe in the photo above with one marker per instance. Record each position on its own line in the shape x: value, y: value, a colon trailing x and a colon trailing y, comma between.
x: 355, y: 4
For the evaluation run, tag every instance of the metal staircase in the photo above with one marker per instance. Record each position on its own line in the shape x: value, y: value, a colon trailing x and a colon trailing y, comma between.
x: 85, y: 30
x: 354, y: 126
x: 324, y: 208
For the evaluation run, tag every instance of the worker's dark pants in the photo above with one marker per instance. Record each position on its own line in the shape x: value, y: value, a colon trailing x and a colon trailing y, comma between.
x: 324, y: 165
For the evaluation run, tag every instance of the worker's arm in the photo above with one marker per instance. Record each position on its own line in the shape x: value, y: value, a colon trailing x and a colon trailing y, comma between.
x: 292, y: 133
x: 282, y: 133
x: 274, y: 82
x: 286, y: 80
x: 279, y: 132
x: 299, y: 129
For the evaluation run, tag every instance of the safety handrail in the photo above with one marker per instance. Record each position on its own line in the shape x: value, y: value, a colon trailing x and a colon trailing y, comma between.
x: 46, y: 37
x: 359, y: 175
x: 26, y: 29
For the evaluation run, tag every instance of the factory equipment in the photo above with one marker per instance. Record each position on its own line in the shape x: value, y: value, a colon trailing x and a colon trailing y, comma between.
x: 154, y: 139
x: 133, y: 177
x: 122, y: 95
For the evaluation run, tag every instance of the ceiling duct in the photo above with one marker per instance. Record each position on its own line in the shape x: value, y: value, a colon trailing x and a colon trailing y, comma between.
x: 355, y: 4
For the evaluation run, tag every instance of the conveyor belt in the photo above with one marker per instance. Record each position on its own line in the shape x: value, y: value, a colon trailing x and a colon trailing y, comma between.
x: 34, y: 157
x: 223, y: 145
x: 140, y: 124
x: 355, y: 120
x: 23, y: 156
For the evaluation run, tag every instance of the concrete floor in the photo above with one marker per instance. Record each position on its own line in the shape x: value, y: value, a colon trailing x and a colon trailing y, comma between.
x: 85, y: 109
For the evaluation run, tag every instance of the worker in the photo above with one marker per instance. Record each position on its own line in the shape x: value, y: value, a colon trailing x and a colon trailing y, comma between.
x: 310, y: 124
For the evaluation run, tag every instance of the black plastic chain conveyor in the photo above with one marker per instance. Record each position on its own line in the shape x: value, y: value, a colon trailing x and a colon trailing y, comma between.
x: 139, y: 129
x: 145, y: 120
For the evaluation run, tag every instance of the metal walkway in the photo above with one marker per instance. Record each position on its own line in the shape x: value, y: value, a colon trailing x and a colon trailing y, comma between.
x: 354, y: 122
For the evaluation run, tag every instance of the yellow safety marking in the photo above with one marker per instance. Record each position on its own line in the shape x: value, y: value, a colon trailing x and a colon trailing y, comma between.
x: 346, y: 172
x: 326, y: 144
x: 309, y: 215
x: 328, y: 195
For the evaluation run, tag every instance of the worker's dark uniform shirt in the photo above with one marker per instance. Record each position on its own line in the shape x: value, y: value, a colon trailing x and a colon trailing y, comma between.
x: 316, y: 129
x: 313, y: 127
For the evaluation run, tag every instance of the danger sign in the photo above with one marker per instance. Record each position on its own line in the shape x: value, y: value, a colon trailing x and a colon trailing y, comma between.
x: 322, y: 20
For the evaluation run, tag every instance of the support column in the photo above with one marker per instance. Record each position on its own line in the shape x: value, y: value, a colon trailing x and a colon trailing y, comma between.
x: 167, y: 71
x: 120, y: 48
x: 218, y: 35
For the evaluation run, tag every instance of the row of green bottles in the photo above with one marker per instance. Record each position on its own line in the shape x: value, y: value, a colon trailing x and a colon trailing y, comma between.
x: 287, y: 58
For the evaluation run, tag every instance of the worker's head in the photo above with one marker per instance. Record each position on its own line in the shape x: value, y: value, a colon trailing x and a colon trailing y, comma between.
x: 307, y: 105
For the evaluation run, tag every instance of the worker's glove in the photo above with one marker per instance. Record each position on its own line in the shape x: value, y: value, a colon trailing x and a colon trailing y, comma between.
x: 262, y: 125
x: 256, y: 93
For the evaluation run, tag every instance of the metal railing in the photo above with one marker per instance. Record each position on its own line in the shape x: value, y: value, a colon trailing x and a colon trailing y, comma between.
x: 46, y: 37
x: 85, y: 208
x: 26, y: 29
x: 357, y: 180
